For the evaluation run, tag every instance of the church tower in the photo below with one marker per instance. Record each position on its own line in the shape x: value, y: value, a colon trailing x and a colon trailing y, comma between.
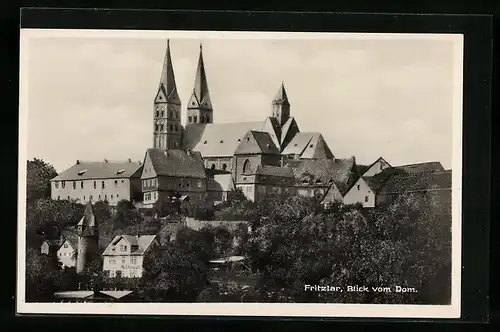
x: 200, y: 108
x: 281, y: 106
x: 167, y: 109
x: 88, y: 239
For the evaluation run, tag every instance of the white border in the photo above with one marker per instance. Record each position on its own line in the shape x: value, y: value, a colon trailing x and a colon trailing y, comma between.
x: 245, y: 309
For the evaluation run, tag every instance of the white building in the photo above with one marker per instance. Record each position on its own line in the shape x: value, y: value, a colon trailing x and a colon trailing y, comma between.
x: 125, y: 255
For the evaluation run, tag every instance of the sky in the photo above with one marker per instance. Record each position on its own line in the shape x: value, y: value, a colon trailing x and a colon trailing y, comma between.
x: 91, y: 98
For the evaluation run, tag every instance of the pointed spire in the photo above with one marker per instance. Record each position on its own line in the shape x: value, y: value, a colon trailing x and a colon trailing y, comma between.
x: 200, y: 90
x: 281, y: 97
x: 88, y: 219
x: 167, y: 79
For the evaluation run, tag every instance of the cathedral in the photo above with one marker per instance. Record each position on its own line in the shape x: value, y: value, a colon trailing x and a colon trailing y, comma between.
x: 272, y: 154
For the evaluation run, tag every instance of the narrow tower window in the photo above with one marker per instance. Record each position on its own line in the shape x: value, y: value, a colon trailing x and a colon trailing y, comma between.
x: 246, y: 166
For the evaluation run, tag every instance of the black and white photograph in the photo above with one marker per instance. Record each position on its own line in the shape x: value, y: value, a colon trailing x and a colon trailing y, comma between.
x: 240, y: 173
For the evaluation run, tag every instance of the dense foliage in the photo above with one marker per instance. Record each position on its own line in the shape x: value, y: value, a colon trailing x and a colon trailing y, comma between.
x: 291, y: 242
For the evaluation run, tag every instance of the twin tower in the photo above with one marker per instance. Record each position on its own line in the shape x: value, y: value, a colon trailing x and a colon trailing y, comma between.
x: 167, y: 105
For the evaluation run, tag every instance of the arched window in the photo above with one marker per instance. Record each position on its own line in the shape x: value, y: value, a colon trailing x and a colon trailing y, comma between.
x: 246, y: 167
x: 157, y: 113
x: 161, y: 127
x: 189, y: 119
x: 195, y: 118
x: 224, y: 167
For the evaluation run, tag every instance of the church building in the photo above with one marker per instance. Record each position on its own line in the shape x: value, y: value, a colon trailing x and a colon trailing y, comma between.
x: 261, y: 156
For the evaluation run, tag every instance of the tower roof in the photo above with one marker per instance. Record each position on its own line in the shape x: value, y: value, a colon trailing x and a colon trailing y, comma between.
x: 167, y: 79
x: 281, y: 97
x: 88, y: 219
x: 200, y: 91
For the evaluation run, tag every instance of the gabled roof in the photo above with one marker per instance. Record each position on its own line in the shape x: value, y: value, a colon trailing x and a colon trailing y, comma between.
x: 362, y: 168
x: 317, y: 148
x: 176, y: 163
x: 417, y: 182
x: 139, y: 244
x: 289, y: 130
x: 325, y: 170
x: 257, y: 142
x: 88, y: 170
x: 217, y: 139
x: 378, y: 180
x: 71, y: 236
x: 308, y: 146
x: 432, y: 166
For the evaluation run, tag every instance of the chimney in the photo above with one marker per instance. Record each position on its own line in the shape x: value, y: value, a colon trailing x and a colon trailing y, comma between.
x: 78, y: 162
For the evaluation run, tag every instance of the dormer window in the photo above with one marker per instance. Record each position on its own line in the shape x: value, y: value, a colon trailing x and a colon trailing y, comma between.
x: 82, y: 172
x: 120, y: 172
x: 318, y: 181
x: 221, y: 141
x: 311, y: 146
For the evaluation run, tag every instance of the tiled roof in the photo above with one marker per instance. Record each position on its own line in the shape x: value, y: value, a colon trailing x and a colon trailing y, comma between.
x: 71, y: 236
x: 139, y: 244
x: 177, y: 163
x: 85, y: 170
x: 274, y: 171
x: 317, y: 148
x: 432, y: 166
x: 378, y: 180
x: 220, y: 182
x: 325, y: 170
x: 417, y: 182
x: 217, y: 139
x: 257, y: 142
x: 362, y: 168
x: 298, y: 143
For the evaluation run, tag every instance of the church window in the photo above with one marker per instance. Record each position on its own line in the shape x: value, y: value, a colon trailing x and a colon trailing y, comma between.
x: 246, y: 166
x: 95, y: 185
x: 74, y: 184
x: 81, y: 184
x: 195, y: 118
x: 189, y: 118
x: 102, y: 184
x: 224, y: 167
x: 213, y: 166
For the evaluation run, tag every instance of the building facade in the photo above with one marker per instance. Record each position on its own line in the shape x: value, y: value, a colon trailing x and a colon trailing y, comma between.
x: 124, y: 256
x: 109, y: 181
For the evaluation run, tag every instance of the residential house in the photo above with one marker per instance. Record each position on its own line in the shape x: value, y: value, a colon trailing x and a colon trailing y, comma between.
x: 124, y: 256
x: 264, y: 179
x: 432, y: 166
x: 220, y: 187
x: 172, y: 172
x: 376, y: 167
x: 316, y: 177
x: 110, y: 181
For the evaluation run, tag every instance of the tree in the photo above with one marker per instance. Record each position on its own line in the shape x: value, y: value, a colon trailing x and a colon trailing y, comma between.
x: 41, y: 276
x: 126, y: 214
x: 173, y: 274
x: 39, y: 174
